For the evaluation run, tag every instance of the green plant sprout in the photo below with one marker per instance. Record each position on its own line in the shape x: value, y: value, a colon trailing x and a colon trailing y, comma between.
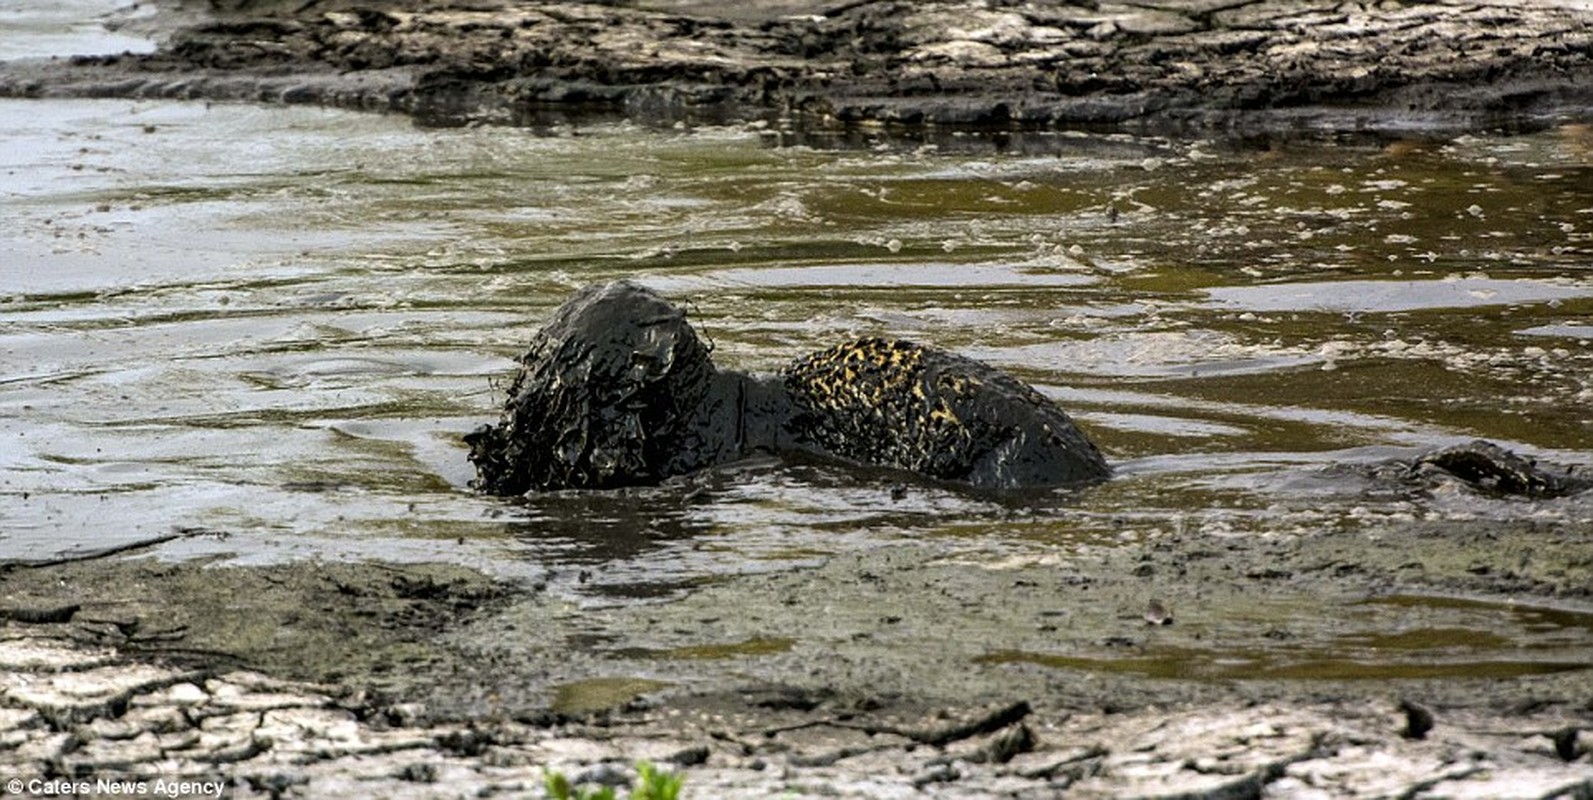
x: 652, y: 783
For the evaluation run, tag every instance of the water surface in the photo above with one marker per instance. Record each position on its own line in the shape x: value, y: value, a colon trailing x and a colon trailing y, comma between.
x: 265, y: 329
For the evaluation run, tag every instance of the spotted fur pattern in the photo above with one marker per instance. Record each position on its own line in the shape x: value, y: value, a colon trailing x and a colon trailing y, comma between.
x: 894, y: 403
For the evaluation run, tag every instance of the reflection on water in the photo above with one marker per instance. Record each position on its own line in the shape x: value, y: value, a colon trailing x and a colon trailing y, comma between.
x: 1387, y: 296
x: 46, y: 28
x: 276, y: 323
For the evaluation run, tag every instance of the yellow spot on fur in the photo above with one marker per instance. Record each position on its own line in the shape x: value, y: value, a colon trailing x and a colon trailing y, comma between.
x: 940, y: 413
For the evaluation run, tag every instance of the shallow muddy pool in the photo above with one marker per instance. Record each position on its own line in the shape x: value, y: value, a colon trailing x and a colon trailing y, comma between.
x: 259, y: 333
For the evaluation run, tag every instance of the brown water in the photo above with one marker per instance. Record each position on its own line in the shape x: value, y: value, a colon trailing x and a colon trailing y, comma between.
x: 1427, y: 637
x: 267, y: 328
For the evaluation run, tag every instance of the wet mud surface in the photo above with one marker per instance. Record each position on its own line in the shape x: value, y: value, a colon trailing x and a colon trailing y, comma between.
x: 321, y: 622
x: 1164, y: 65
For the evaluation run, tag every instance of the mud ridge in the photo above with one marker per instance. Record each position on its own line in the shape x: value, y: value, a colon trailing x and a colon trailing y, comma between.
x: 1161, y: 65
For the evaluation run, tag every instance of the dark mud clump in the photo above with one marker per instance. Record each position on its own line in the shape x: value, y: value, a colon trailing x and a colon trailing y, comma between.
x: 1489, y: 467
x: 1479, y: 466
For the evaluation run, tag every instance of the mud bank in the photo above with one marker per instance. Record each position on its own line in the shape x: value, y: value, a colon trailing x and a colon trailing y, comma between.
x: 1163, y: 65
x: 68, y: 710
x: 1424, y: 660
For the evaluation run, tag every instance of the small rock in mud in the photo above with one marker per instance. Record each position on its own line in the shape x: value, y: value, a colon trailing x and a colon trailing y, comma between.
x: 1157, y: 613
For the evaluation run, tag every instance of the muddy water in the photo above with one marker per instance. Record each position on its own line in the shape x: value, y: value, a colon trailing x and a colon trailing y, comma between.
x: 256, y: 334
x: 54, y: 28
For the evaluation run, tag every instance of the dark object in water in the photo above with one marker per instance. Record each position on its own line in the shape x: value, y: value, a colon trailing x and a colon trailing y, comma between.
x: 1418, y: 720
x: 618, y: 390
x: 1478, y: 466
x: 1486, y: 466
